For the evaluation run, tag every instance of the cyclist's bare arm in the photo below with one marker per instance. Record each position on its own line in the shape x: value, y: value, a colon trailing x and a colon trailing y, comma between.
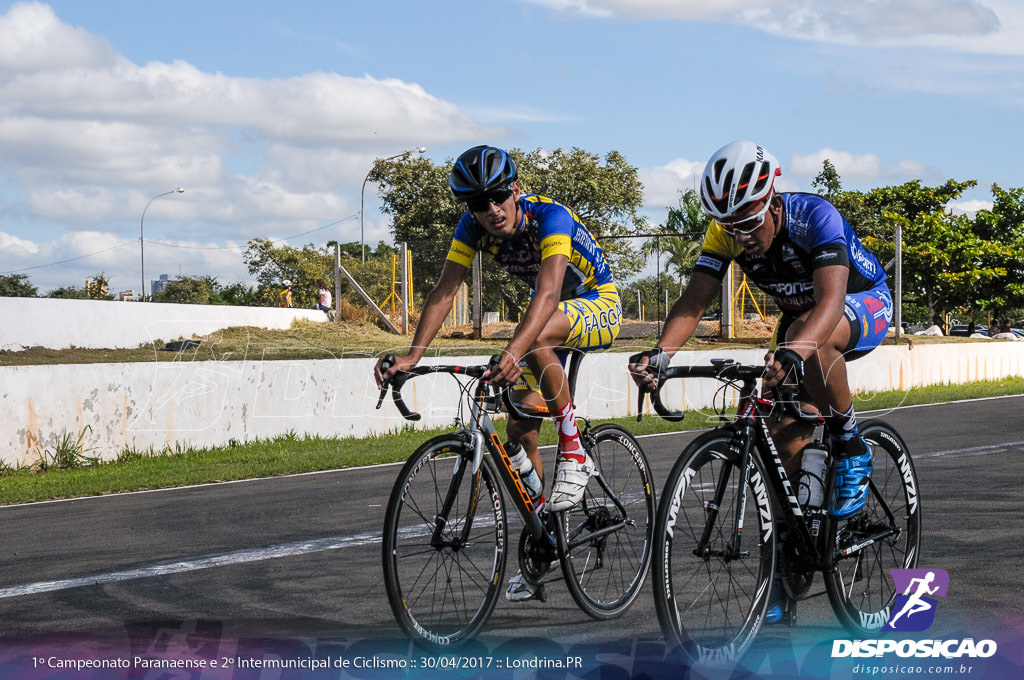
x: 681, y: 323
x: 436, y: 307
x: 820, y: 323
x: 538, y: 313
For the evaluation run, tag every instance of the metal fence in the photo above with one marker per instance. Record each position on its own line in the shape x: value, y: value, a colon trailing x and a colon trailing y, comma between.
x: 657, y: 266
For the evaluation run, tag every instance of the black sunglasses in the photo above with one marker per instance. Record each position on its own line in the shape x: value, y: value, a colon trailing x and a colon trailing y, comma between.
x: 482, y: 203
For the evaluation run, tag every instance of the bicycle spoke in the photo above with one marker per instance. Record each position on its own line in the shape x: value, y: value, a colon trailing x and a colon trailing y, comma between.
x: 441, y: 584
x: 609, y: 535
x: 715, y: 594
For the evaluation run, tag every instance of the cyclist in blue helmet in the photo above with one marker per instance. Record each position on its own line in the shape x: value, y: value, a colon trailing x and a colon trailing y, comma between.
x: 575, y: 304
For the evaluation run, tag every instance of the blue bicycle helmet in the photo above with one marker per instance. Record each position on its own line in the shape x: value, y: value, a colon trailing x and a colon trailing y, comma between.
x: 480, y: 171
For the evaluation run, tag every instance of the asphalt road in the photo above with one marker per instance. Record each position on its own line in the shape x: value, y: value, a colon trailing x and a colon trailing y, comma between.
x: 294, y: 563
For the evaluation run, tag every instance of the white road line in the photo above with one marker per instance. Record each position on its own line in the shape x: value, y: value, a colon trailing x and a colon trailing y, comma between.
x: 195, y: 564
x: 324, y: 544
x: 1008, y: 447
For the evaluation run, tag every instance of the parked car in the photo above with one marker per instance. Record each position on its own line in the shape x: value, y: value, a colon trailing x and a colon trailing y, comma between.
x: 960, y: 330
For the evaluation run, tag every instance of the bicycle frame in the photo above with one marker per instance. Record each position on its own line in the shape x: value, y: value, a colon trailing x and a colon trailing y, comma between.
x: 484, y: 439
x: 752, y: 437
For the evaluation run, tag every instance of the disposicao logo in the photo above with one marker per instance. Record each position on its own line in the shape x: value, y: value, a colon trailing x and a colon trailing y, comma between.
x: 913, y: 611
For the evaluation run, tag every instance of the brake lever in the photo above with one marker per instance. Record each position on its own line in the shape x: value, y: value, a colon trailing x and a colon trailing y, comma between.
x: 389, y: 361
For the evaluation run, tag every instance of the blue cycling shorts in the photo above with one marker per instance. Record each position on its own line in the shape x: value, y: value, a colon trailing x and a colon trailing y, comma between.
x: 868, y: 313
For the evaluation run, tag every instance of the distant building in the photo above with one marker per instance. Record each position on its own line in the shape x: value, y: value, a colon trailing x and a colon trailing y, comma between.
x: 160, y: 284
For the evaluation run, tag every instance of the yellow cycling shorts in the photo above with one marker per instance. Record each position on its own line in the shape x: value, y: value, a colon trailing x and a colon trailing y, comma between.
x: 593, y: 324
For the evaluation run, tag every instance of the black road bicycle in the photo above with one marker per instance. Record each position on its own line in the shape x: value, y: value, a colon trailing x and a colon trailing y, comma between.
x: 721, y: 513
x: 446, y: 532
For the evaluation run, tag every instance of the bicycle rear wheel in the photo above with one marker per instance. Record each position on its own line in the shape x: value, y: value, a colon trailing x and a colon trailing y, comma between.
x: 710, y: 604
x: 860, y: 588
x: 443, y: 577
x: 605, y: 541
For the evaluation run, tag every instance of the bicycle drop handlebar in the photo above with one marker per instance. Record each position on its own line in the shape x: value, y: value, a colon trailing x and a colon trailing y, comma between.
x: 397, y: 381
x: 724, y: 370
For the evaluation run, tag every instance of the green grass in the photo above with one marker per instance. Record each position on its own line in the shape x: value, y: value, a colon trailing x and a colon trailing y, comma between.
x: 290, y: 454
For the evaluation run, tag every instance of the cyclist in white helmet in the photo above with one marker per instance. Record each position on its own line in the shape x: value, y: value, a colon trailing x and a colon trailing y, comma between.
x: 835, y: 303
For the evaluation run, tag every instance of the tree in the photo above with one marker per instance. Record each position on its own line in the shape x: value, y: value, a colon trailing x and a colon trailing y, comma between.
x: 949, y: 261
x: 1004, y: 224
x: 827, y: 182
x: 237, y: 294
x: 605, y: 193
x: 272, y: 263
x: 683, y: 235
x: 946, y: 264
x: 68, y: 293
x: 97, y: 287
x: 16, y: 285
x: 189, y: 290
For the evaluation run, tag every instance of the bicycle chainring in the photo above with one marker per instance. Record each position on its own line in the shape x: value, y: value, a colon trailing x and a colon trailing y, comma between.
x: 796, y: 573
x: 535, y: 557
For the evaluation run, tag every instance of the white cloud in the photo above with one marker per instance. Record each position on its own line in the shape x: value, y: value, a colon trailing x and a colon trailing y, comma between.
x: 87, y: 138
x: 857, y: 169
x: 663, y: 183
x: 34, y: 40
x: 969, y: 207
x: 987, y: 26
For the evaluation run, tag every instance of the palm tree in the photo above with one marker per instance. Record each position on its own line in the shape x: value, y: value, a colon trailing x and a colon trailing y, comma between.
x: 682, y: 235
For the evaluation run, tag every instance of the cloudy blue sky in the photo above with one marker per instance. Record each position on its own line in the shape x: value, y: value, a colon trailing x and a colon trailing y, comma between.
x: 270, y: 114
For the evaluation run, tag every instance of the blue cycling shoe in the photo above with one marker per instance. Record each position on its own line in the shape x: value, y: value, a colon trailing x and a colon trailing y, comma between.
x: 852, y: 471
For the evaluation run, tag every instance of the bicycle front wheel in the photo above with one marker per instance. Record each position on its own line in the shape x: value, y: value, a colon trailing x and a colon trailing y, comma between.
x: 860, y: 588
x: 711, y: 583
x: 606, y: 539
x: 445, y: 543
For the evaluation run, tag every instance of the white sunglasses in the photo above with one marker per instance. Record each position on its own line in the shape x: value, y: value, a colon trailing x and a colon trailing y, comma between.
x: 732, y: 228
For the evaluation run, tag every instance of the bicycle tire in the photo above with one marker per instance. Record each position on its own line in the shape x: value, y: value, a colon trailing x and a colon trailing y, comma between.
x: 443, y: 594
x: 710, y: 608
x: 860, y: 588
x: 605, y: 573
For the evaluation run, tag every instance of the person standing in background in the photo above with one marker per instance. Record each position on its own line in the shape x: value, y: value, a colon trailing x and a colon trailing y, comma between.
x: 323, y: 300
x: 284, y: 298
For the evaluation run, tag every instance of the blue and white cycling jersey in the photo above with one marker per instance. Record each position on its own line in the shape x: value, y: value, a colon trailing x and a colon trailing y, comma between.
x: 814, y: 235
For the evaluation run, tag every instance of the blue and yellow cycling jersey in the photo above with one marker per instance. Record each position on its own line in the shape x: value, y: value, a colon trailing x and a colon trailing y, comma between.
x: 548, y: 228
x: 814, y: 235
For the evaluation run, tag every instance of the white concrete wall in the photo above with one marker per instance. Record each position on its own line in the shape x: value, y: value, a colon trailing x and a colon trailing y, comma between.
x: 206, y: 403
x: 103, y: 324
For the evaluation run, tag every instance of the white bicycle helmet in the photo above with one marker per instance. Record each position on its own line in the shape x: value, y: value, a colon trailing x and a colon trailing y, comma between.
x: 738, y: 174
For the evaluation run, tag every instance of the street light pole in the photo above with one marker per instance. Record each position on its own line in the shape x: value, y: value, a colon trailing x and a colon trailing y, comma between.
x: 142, y: 250
x: 362, y: 192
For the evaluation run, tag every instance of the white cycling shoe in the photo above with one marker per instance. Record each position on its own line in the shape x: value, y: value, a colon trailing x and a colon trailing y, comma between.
x: 571, y: 479
x: 520, y: 590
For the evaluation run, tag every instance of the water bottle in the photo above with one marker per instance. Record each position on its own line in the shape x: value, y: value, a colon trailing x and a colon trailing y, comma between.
x: 527, y: 472
x: 811, y: 491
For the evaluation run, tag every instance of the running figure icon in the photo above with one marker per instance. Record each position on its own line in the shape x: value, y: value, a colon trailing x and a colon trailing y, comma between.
x: 916, y: 602
x: 919, y: 587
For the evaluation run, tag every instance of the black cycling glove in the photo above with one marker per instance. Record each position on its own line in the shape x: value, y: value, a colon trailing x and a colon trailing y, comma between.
x: 792, y: 366
x: 658, y: 361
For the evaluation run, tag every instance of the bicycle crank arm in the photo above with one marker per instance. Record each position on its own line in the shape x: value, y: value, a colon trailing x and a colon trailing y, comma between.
x: 867, y: 542
x: 595, y: 534
x: 727, y: 555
